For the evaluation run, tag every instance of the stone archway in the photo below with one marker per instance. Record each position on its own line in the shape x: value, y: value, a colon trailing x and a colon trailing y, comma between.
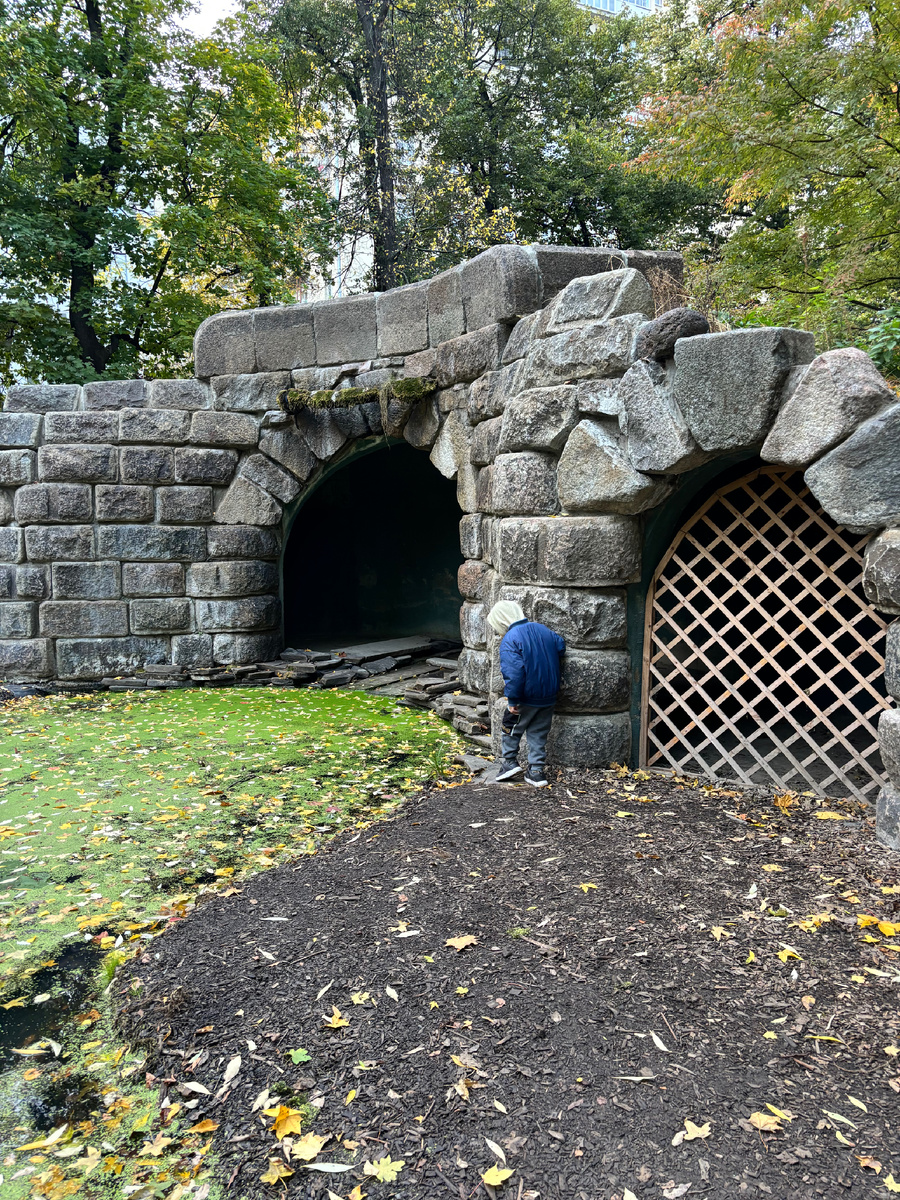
x: 372, y: 552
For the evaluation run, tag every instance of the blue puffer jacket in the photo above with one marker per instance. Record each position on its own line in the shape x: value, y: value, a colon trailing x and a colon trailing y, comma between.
x: 530, y: 662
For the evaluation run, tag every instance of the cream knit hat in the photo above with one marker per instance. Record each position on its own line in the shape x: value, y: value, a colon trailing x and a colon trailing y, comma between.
x: 503, y: 614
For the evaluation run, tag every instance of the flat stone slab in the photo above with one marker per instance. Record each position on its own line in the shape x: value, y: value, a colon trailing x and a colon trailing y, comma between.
x: 389, y: 649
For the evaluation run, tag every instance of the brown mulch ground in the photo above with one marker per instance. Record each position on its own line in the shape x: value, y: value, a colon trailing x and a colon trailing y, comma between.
x: 625, y: 926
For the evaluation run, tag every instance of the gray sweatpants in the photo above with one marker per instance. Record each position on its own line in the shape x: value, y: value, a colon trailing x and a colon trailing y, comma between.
x: 535, y: 724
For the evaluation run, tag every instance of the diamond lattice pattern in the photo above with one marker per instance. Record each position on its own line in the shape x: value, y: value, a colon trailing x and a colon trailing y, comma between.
x: 763, y: 661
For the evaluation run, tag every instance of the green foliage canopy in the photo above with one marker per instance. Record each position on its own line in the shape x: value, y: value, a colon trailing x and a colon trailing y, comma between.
x: 147, y: 179
x: 794, y: 110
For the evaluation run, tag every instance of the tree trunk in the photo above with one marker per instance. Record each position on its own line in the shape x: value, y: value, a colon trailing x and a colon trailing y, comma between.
x: 379, y: 169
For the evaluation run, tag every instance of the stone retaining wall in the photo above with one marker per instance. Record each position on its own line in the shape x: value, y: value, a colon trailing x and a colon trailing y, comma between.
x: 143, y: 521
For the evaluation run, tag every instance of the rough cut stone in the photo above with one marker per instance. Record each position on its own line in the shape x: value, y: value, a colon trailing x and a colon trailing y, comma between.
x: 85, y: 581
x: 595, y: 475
x: 184, y: 505
x: 657, y: 338
x: 31, y: 659
x: 539, y: 419
x: 59, y: 543
x: 223, y: 429
x: 394, y: 415
x: 95, y: 658
x: 284, y: 337
x: 472, y: 625
x: 7, y: 581
x: 241, y: 578
x: 192, y: 650
x: 246, y: 504
x: 20, y: 429
x: 595, y: 681
x: 186, y: 394
x: 249, y: 393
x: 858, y: 483
x: 116, y: 393
x: 881, y: 571
x: 263, y: 472
x: 581, y: 616
x: 470, y: 535
x: 524, y: 332
x: 402, y: 318
x: 224, y: 345
x: 154, y: 425
x: 889, y: 743
x: 123, y: 502
x: 152, y: 579
x: 446, y: 318
x: 839, y: 390
x: 489, y: 395
x: 486, y: 441
x: 245, y: 647
x: 32, y: 583
x: 600, y: 298
x: 77, y: 428
x: 147, y: 464
x: 423, y: 423
x: 729, y: 385
x: 599, y: 398
x: 73, y: 618
x: 288, y: 448
x: 474, y: 579
x: 474, y: 671
x: 524, y: 483
x: 17, y: 619
x: 345, y: 330
x: 559, y: 265
x: 151, y: 543
x: 465, y: 358
x: 322, y: 433
x: 241, y: 541
x: 16, y: 467
x: 53, y: 503
x: 451, y: 448
x: 586, y: 741
x: 160, y: 616
x: 12, y: 545
x: 892, y: 660
x: 42, y: 398
x: 500, y: 284
x: 656, y: 434
x: 350, y: 419
x: 214, y: 467
x: 600, y: 348
x: 76, y: 464
x: 247, y: 613
x: 467, y: 487
x: 887, y: 817
x: 602, y: 551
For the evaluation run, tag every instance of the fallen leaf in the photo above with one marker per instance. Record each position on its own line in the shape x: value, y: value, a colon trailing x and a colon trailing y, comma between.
x: 837, y: 1117
x: 231, y: 1070
x: 659, y: 1043
x: 495, y: 1149
x: 891, y: 1183
x: 772, y: 867
x: 307, y: 1147
x: 204, y: 1126
x: 156, y: 1147
x: 787, y: 953
x: 336, y: 1020
x: 695, y: 1131
x: 830, y: 816
x: 193, y: 1086
x: 384, y: 1169
x: 624, y: 814
x: 771, y: 1035
x: 866, y: 1161
x: 844, y: 1141
x: 765, y: 1122
x: 360, y: 997
x: 857, y: 1103
x: 460, y: 943
x: 718, y: 932
x: 351, y: 1096
x: 277, y: 1171
x: 893, y: 1051
x: 298, y: 1056
x: 500, y: 1107
x: 93, y: 1158
x: 19, y: 1002
x: 389, y: 991
x: 751, y: 957
x: 494, y: 1176
x: 586, y: 887
x: 286, y: 1120
x: 807, y: 1002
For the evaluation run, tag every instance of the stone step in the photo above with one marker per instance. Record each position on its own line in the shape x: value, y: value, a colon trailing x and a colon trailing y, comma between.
x: 390, y: 648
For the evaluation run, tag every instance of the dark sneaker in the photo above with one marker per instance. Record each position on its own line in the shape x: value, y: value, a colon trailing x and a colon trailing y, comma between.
x: 536, y: 777
x: 507, y: 771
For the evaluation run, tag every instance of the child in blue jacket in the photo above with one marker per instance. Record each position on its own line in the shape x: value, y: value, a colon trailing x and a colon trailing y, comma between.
x: 530, y: 655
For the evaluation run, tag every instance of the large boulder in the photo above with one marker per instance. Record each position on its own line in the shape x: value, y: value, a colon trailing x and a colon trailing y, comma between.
x: 595, y: 681
x: 539, y: 419
x: 599, y: 298
x: 524, y: 483
x: 597, y: 552
x: 594, y: 740
x: 839, y: 390
x: 858, y: 483
x: 656, y: 434
x: 583, y: 352
x: 887, y: 817
x: 656, y: 339
x: 584, y: 617
x: 729, y: 385
x: 595, y: 475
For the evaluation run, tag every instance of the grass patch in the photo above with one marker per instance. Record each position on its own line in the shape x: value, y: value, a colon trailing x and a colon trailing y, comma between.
x: 115, y: 812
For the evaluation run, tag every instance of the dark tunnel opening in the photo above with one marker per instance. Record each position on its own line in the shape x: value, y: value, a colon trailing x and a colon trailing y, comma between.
x: 373, y: 554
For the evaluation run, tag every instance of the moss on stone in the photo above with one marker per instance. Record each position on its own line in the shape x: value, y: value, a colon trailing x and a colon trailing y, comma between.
x: 356, y: 395
x: 412, y: 388
x: 321, y: 398
x: 291, y: 400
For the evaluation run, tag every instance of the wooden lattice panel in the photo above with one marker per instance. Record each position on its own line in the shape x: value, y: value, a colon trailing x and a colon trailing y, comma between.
x: 762, y: 660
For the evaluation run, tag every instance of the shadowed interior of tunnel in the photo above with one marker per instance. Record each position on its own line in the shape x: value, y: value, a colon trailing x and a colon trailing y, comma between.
x: 373, y: 553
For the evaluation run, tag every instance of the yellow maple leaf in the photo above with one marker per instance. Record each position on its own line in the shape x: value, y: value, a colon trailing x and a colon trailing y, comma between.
x: 385, y: 1170
x: 156, y: 1147
x: 772, y: 867
x: 695, y: 1131
x: 494, y: 1176
x: 624, y: 814
x: 771, y: 1035
x: 277, y: 1171
x: 287, y: 1121
x: 830, y: 816
x: 891, y: 1183
x: 586, y: 887
x: 893, y: 1051
x: 718, y: 932
x: 335, y: 1021
x: 307, y: 1147
x: 787, y: 953
x: 357, y: 1193
x: 864, y: 919
x: 359, y: 997
x: 460, y: 943
x: 889, y: 928
x: 751, y: 957
x: 765, y: 1122
x: 205, y: 1126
